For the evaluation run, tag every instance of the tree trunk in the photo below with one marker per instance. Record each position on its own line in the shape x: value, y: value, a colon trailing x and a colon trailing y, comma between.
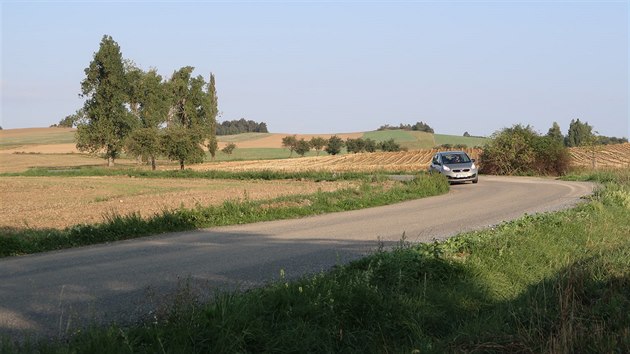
x: 110, y: 161
x: 181, y: 165
x: 152, y: 163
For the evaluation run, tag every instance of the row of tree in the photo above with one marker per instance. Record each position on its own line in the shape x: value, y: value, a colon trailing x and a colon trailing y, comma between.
x: 240, y: 126
x: 419, y: 126
x: 335, y: 144
x: 581, y: 134
x: 128, y: 109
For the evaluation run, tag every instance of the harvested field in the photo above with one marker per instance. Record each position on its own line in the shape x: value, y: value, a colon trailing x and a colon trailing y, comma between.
x: 60, y: 202
x: 410, y: 161
x: 604, y: 156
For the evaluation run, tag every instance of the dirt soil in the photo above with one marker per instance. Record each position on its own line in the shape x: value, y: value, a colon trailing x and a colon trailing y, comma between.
x: 59, y: 202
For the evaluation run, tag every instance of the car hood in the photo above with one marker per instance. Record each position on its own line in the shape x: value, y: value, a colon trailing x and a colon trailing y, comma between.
x: 459, y: 165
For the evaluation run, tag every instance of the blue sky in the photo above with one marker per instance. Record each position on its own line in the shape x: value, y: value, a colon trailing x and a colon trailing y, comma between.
x: 317, y: 67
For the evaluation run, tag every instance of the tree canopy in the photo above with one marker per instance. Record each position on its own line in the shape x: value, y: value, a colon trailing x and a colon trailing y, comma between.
x: 128, y: 108
x: 107, y: 121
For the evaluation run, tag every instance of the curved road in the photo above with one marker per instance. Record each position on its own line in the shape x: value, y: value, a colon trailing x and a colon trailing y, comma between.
x: 54, y: 293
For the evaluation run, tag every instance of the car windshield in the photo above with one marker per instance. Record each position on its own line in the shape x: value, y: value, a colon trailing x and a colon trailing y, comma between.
x: 450, y: 159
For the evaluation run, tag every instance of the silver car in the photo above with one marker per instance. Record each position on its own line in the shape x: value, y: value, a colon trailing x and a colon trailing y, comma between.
x: 457, y: 166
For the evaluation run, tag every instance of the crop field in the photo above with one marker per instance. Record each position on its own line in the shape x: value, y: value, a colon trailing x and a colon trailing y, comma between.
x: 603, y: 156
x: 59, y: 202
x: 409, y: 161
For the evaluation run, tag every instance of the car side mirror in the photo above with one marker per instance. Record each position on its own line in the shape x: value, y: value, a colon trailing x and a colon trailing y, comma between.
x: 474, y: 160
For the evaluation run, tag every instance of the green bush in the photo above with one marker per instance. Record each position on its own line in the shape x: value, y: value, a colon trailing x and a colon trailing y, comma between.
x: 521, y: 151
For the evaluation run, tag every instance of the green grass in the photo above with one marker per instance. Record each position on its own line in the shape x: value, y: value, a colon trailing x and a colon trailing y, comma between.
x: 383, y: 135
x: 550, y: 283
x: 231, y: 212
x: 441, y: 139
x: 407, y: 139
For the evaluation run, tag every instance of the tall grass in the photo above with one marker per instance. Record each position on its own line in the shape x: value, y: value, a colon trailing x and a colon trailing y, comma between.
x: 550, y: 283
x: 238, y: 211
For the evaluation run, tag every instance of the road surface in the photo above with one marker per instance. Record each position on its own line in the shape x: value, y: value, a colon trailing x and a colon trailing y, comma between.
x: 55, y: 293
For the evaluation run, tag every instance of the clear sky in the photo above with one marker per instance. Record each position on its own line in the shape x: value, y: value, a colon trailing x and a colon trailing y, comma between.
x: 317, y: 67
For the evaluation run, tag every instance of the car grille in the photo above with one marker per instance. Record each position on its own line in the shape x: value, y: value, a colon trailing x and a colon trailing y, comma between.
x: 462, y: 170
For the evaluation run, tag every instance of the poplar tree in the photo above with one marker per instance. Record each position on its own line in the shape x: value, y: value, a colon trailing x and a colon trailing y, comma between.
x: 153, y: 104
x: 555, y: 133
x: 107, y: 121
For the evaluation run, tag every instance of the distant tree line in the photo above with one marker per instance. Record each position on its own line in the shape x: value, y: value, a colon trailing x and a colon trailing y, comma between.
x: 232, y: 127
x: 419, y: 126
x: 140, y: 113
x: 335, y: 144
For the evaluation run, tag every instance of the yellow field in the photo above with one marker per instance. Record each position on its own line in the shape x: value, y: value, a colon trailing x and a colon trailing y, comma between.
x: 410, y: 161
x: 606, y: 156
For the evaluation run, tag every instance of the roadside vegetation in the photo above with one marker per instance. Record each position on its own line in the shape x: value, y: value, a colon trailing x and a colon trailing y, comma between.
x: 374, y: 191
x: 548, y: 283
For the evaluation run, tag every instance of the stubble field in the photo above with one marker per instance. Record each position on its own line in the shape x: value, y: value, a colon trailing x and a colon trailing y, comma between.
x: 59, y: 202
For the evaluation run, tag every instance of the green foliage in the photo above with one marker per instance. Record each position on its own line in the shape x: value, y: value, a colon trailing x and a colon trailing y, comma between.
x: 318, y: 143
x: 521, y: 151
x: 362, y: 145
x: 180, y: 145
x: 609, y: 140
x: 229, y: 148
x: 579, y: 134
x: 213, y: 145
x: 555, y: 133
x: 72, y: 120
x: 302, y: 147
x: 107, y: 121
x: 241, y: 126
x: 290, y: 142
x: 389, y: 145
x: 418, y: 126
x: 144, y: 143
x: 334, y: 145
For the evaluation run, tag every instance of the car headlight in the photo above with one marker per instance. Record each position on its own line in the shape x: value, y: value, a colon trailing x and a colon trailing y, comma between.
x: 473, y: 167
x: 445, y: 168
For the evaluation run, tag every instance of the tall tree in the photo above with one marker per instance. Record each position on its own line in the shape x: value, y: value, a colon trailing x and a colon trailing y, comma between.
x: 153, y: 102
x: 579, y: 134
x: 107, y: 121
x: 555, y: 133
x: 195, y: 106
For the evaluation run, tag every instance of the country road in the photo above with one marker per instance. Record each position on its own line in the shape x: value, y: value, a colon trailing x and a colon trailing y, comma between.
x: 56, y: 293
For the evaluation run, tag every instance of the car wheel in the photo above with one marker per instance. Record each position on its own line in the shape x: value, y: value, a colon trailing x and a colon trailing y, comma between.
x: 475, y: 180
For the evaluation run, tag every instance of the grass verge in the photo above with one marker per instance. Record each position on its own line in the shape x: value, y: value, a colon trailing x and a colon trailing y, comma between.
x: 85, y: 171
x: 120, y: 227
x: 547, y: 283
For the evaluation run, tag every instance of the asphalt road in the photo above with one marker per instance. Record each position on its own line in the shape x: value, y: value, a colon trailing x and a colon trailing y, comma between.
x: 56, y: 293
